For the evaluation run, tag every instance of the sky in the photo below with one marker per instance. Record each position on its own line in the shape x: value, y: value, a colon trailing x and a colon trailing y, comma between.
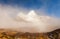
x: 51, y: 7
x: 13, y: 15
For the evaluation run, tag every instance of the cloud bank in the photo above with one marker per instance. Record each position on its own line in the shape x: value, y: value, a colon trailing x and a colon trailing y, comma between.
x: 18, y: 19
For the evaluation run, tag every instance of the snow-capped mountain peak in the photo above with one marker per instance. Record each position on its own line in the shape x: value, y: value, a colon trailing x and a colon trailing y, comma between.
x: 32, y: 13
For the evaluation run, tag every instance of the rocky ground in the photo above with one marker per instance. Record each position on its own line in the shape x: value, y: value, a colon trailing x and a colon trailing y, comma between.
x: 9, y: 34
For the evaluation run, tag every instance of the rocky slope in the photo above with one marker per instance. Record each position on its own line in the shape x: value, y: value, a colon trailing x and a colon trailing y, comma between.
x: 9, y: 34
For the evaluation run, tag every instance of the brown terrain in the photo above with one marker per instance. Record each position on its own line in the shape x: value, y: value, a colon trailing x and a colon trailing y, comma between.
x: 10, y: 34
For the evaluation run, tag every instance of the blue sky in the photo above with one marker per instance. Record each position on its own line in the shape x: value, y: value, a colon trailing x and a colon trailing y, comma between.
x: 51, y: 6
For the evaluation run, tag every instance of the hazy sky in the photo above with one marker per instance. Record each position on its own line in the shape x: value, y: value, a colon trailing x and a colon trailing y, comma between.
x: 52, y: 7
x: 13, y: 15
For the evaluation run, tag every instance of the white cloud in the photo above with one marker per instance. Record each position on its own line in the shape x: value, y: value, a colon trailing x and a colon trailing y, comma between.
x: 26, y: 22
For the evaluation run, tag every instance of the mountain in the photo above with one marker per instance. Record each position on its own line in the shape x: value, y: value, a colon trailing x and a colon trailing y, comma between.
x: 38, y: 23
